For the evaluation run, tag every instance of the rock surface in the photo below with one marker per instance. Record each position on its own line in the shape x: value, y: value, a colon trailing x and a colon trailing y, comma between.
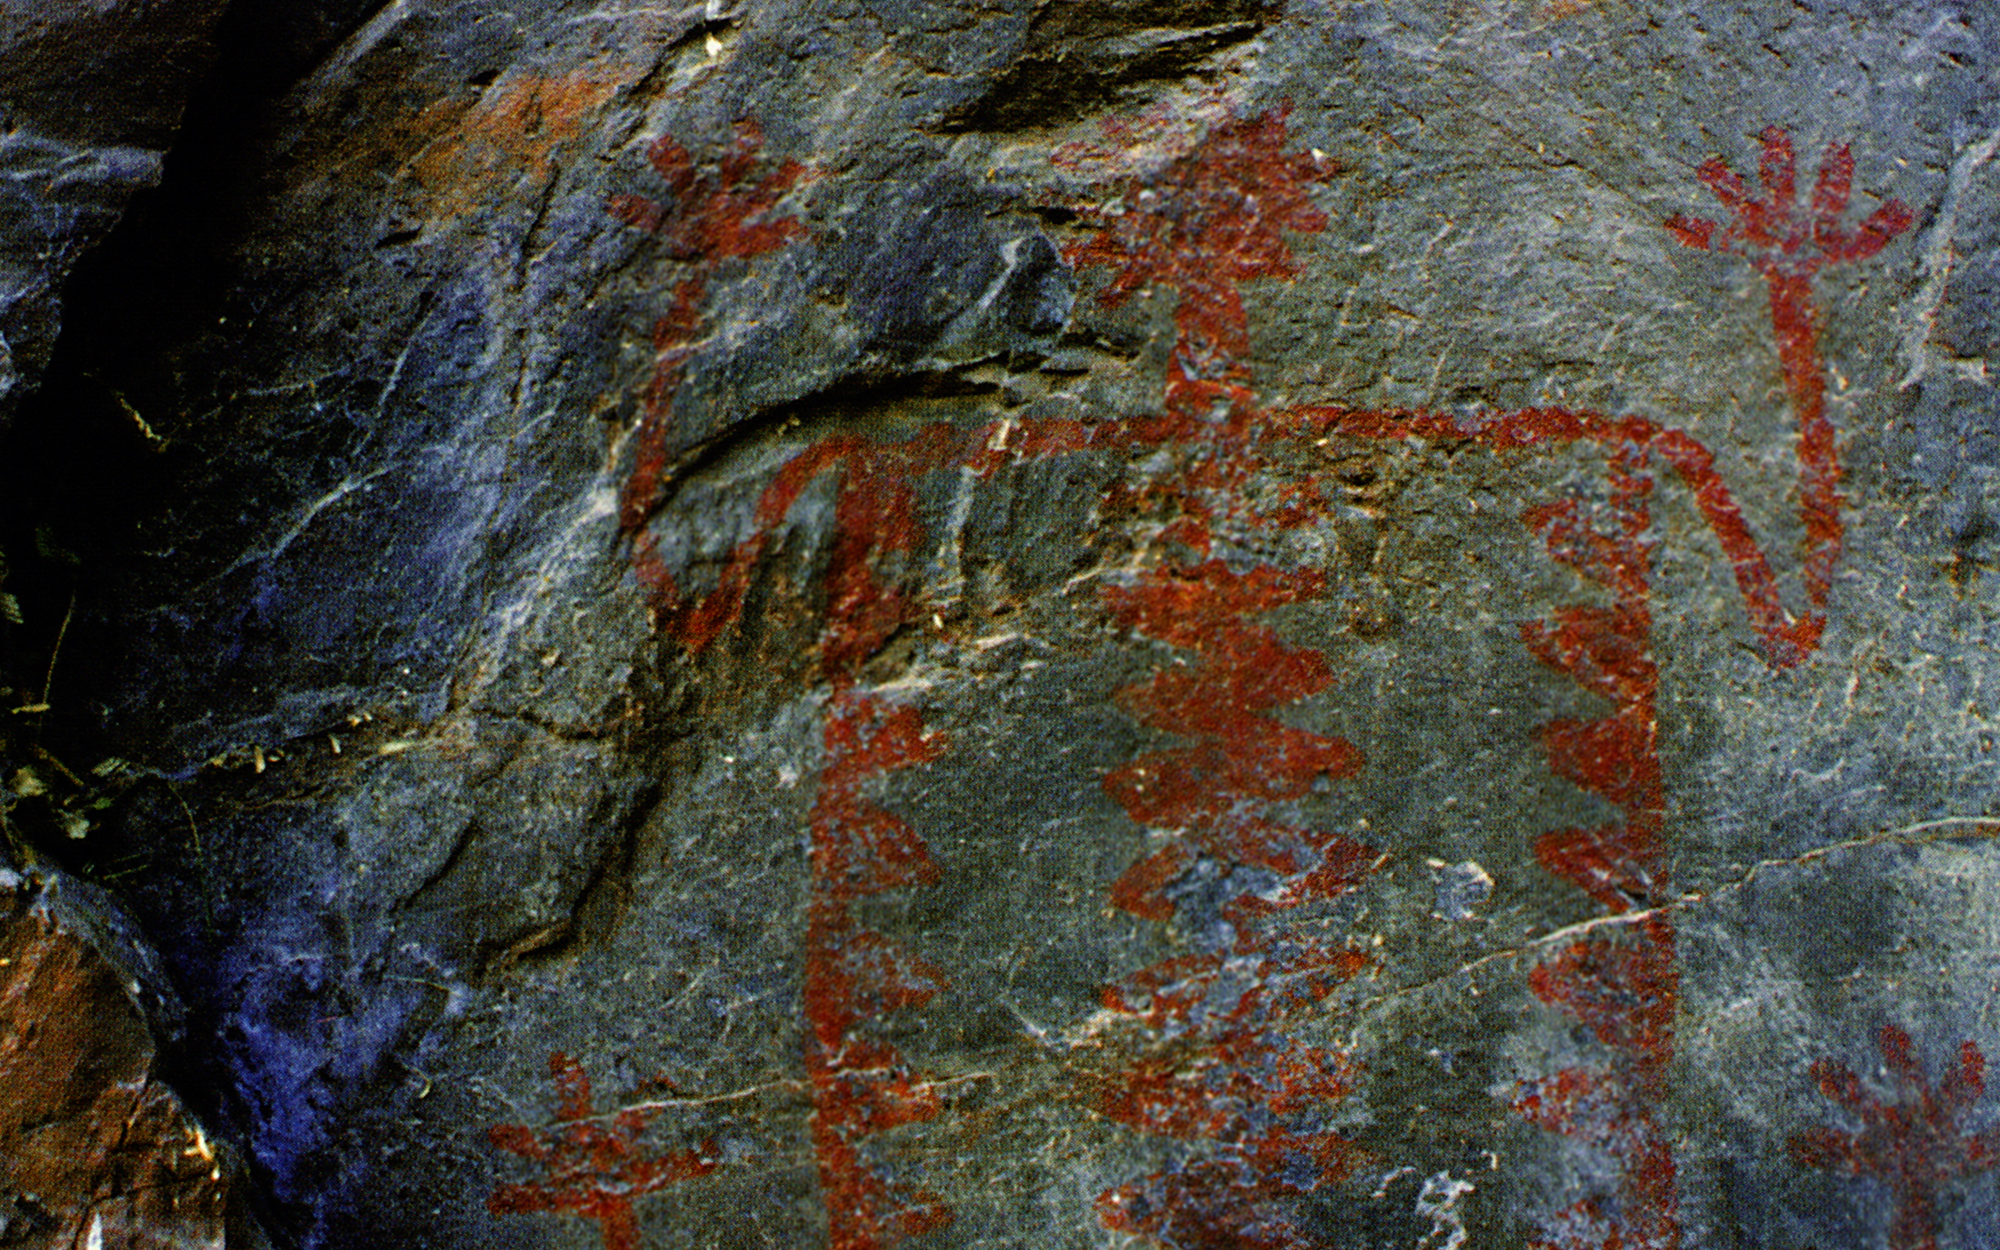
x: 90, y: 94
x: 95, y: 1150
x: 1218, y: 626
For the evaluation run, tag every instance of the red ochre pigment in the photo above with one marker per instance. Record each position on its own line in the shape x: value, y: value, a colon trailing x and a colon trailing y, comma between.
x: 594, y: 1160
x: 1914, y: 1142
x: 854, y: 977
x: 1622, y: 985
x: 709, y: 219
x: 1211, y: 219
x: 1788, y: 247
x: 1221, y: 1072
x: 1218, y: 1067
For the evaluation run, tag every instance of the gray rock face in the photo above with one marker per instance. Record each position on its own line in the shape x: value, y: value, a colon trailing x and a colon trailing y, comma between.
x: 1215, y: 626
x: 90, y: 94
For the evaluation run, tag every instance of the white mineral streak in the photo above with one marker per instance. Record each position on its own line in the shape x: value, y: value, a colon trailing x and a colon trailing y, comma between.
x: 1438, y: 1203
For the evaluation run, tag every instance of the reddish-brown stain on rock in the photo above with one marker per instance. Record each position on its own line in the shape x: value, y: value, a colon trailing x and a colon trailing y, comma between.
x: 511, y: 133
x: 595, y: 1163
x: 94, y: 1149
x: 1915, y: 1140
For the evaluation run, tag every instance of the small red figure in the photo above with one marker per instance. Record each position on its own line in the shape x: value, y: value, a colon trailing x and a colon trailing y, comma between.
x: 1915, y: 1141
x: 709, y: 218
x: 596, y: 1165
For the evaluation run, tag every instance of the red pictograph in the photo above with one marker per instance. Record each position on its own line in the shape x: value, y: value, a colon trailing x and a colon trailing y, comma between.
x: 708, y: 218
x: 860, y: 1086
x: 1788, y: 246
x: 1238, y: 756
x: 1221, y: 1059
x: 1219, y: 1065
x: 854, y: 977
x: 1623, y: 986
x: 1914, y: 1140
x: 596, y: 1163
x: 1214, y: 217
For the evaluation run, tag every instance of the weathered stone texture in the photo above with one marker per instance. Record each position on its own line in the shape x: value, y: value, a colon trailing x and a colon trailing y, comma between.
x: 90, y: 94
x: 1223, y: 626
x: 95, y: 1150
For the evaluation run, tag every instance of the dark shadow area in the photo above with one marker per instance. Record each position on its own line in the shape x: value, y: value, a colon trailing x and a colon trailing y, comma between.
x: 94, y: 480
x: 89, y: 467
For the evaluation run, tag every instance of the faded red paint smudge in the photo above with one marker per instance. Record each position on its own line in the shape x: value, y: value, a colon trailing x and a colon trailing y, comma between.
x: 875, y: 528
x: 1211, y: 1204
x: 595, y: 1162
x: 854, y: 977
x: 708, y: 218
x: 514, y: 132
x: 1914, y: 1141
x: 1599, y: 1109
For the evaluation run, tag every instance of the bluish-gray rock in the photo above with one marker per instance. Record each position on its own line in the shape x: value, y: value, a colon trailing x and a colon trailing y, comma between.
x: 1218, y: 626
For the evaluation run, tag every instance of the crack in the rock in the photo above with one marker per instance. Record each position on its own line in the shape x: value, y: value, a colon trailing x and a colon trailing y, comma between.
x: 851, y: 391
x: 609, y: 886
x: 1076, y: 57
x: 790, y: 1086
x: 548, y: 726
x: 1924, y: 833
x: 1938, y: 259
